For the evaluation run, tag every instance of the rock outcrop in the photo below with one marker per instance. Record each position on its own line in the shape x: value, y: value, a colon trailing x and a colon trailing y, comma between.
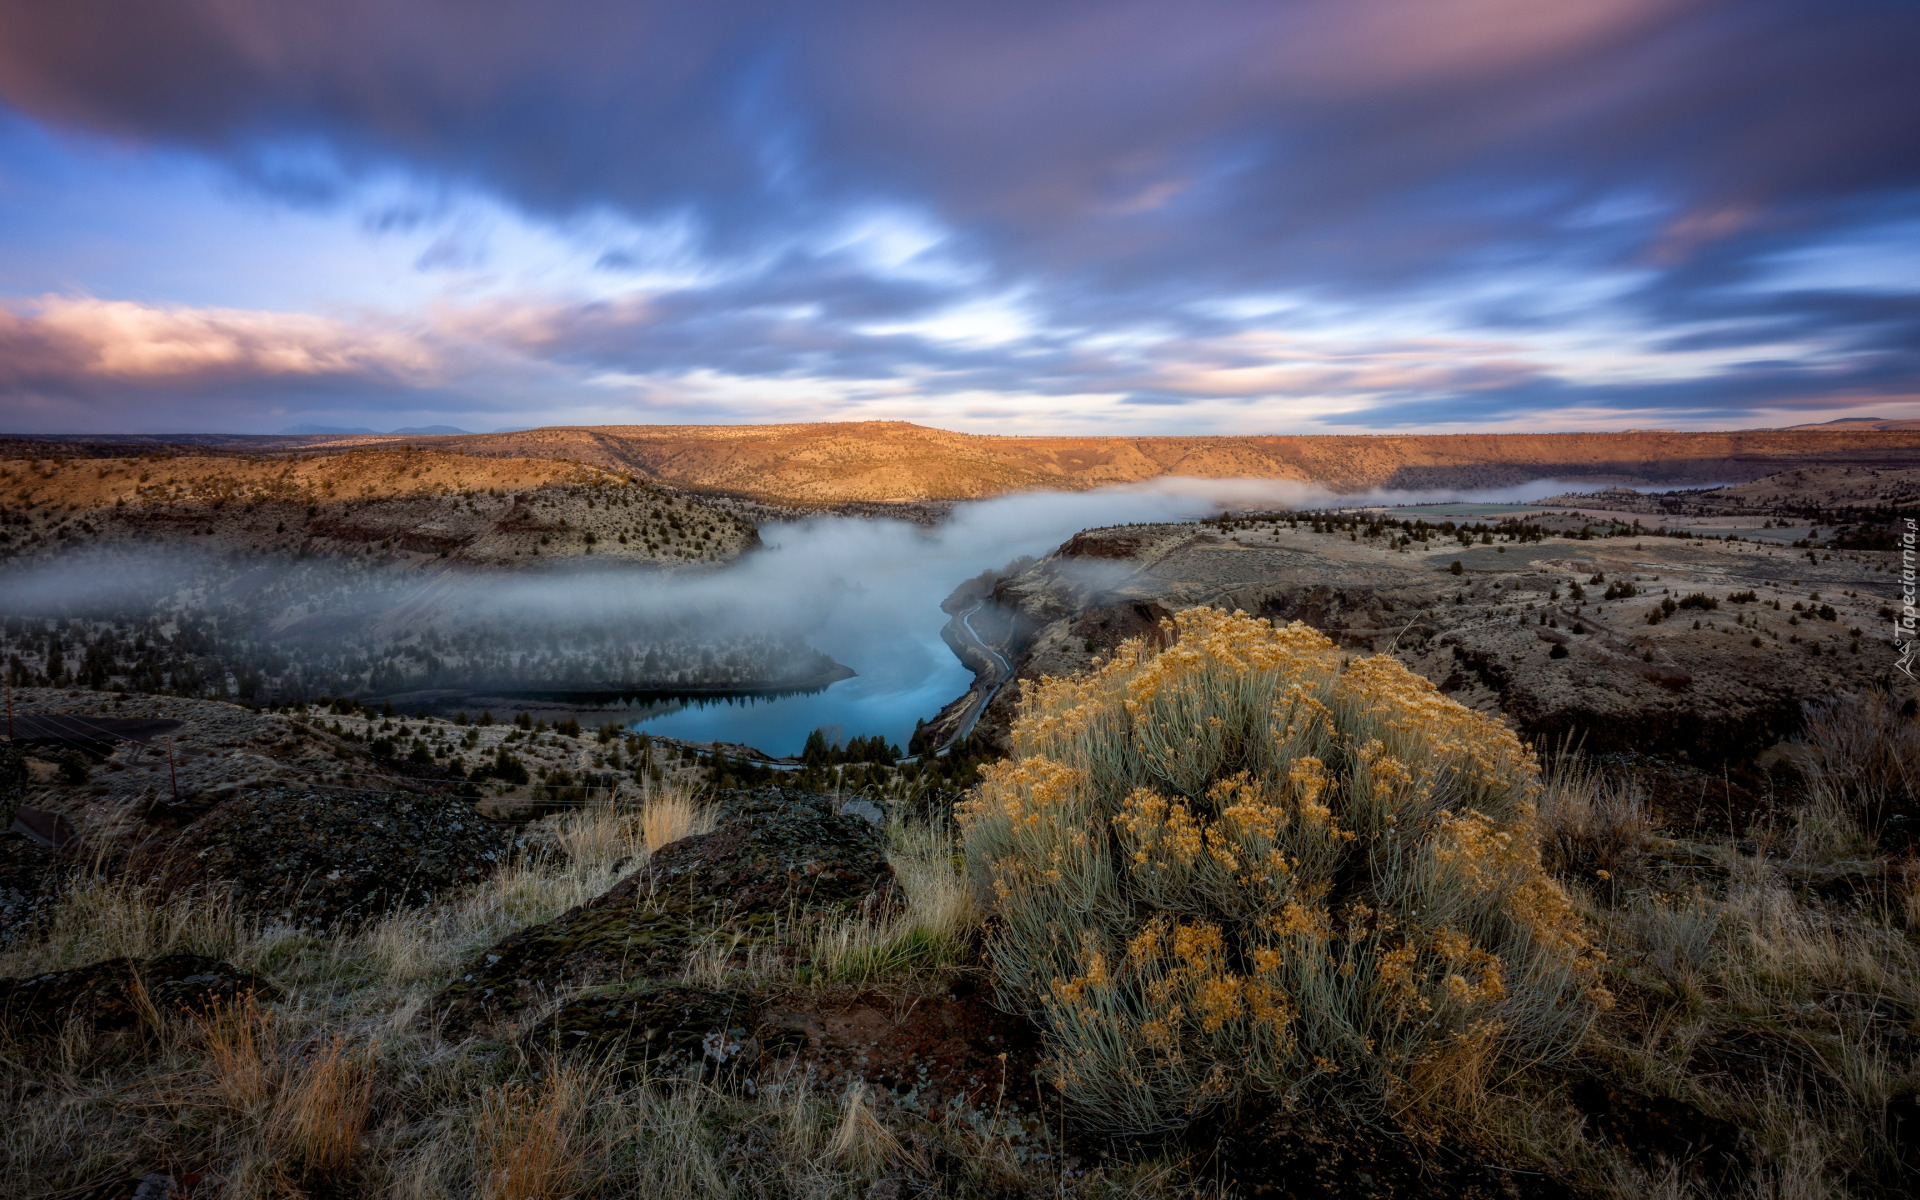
x: 121, y: 993
x: 775, y: 854
x: 33, y: 877
x: 319, y: 858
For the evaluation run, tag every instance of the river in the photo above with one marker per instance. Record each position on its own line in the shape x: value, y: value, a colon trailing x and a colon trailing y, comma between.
x: 868, y: 593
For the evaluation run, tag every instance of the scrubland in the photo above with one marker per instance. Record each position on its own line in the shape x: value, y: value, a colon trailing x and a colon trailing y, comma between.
x: 1237, y: 879
x: 392, y: 505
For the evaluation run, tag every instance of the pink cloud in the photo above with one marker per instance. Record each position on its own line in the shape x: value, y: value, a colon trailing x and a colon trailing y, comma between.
x: 120, y: 341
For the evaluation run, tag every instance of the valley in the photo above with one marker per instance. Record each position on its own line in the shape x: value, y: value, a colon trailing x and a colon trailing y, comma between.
x: 540, y: 758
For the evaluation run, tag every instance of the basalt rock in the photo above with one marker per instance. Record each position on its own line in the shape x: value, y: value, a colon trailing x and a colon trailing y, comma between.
x: 773, y: 848
x: 1664, y: 1134
x: 671, y: 1030
x: 1329, y: 1155
x: 33, y: 877
x: 775, y: 854
x: 318, y: 859
x: 925, y: 1053
x: 120, y: 993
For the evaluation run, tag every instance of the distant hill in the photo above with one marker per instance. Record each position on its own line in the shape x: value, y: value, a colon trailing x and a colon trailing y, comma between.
x: 833, y: 464
x: 1880, y: 424
x: 339, y: 431
x: 324, y: 430
x: 889, y: 462
x: 384, y: 501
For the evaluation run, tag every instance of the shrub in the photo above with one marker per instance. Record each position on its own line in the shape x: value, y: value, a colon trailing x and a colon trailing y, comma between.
x: 1237, y: 869
x: 1863, y: 757
x: 1591, y: 827
x: 74, y: 767
x: 504, y: 767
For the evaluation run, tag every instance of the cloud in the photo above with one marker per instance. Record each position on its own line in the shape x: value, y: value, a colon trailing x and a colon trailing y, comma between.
x: 732, y: 353
x: 62, y: 339
x: 1101, y: 136
x: 1456, y: 207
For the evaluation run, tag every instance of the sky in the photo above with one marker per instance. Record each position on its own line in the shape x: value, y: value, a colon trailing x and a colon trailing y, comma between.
x: 1291, y: 216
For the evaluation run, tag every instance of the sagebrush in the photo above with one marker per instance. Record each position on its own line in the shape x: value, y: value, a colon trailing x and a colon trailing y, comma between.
x: 1240, y: 867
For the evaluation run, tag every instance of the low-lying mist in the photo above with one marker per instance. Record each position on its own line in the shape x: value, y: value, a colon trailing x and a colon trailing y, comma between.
x: 863, y: 593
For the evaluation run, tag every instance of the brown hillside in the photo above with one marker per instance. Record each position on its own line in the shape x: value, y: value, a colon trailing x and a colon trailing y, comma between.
x: 397, y: 502
x: 826, y: 464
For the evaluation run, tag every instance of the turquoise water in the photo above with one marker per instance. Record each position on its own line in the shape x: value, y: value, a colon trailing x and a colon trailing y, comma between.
x: 868, y: 593
x: 903, y: 677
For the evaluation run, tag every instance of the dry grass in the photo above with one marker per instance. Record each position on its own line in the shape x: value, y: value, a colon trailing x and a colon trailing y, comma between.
x: 1592, y: 828
x: 321, y: 1111
x: 862, y: 1138
x: 622, y: 832
x: 1676, y: 938
x: 241, y: 1055
x: 1774, y: 989
x: 339, y: 1088
x: 671, y: 813
x: 1862, y: 756
x: 530, y: 1136
x: 104, y: 918
x: 934, y: 929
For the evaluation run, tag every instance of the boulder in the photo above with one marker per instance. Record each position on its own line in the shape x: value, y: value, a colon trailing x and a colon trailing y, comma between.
x: 935, y: 1050
x: 13, y: 781
x: 670, y: 1030
x: 317, y: 859
x: 775, y: 852
x: 33, y: 878
x: 106, y: 996
x: 773, y: 848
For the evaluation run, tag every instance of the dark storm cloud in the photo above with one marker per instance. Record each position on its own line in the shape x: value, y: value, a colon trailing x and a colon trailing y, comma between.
x: 1122, y: 161
x: 1092, y: 135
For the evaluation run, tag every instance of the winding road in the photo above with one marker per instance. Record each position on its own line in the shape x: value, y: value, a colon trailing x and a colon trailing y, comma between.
x: 1004, y: 672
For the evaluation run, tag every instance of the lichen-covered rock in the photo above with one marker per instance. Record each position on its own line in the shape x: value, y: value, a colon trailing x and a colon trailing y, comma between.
x: 773, y: 849
x: 317, y: 859
x: 107, y: 995
x: 945, y: 1047
x: 33, y: 877
x: 13, y: 782
x: 775, y: 853
x: 663, y: 1030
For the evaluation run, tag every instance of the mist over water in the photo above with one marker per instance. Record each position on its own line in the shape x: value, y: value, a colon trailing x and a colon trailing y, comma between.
x: 864, y: 593
x: 868, y: 592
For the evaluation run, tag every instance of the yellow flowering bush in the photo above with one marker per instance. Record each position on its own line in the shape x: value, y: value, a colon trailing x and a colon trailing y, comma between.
x: 1233, y: 867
